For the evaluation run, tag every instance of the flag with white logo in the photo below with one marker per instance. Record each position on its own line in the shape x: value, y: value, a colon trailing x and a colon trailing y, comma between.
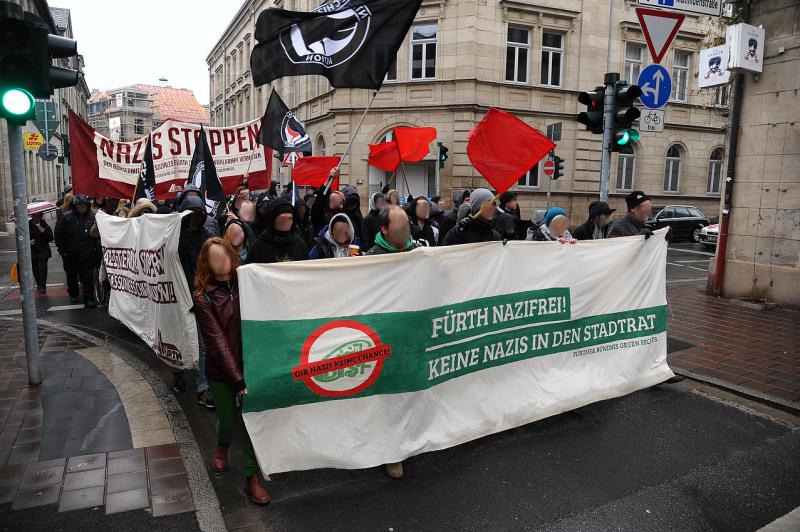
x: 203, y: 175
x: 351, y: 42
x: 146, y: 184
x: 281, y: 130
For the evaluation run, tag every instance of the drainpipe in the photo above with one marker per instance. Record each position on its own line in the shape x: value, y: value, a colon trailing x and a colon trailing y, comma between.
x: 736, y: 111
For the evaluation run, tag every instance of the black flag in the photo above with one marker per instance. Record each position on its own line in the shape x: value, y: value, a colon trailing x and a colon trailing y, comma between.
x: 281, y: 130
x: 146, y: 185
x: 351, y: 42
x: 203, y: 175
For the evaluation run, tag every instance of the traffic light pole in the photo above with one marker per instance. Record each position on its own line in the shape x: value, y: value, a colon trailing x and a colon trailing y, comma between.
x: 19, y: 191
x: 608, y: 132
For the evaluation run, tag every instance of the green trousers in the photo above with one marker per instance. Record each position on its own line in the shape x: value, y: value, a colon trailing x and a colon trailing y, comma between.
x: 227, y: 416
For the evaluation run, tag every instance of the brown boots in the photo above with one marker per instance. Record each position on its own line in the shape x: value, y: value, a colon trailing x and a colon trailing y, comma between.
x: 258, y: 493
x: 219, y: 462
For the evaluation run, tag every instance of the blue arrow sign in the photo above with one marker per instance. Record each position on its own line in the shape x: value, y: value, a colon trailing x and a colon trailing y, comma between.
x: 656, y: 86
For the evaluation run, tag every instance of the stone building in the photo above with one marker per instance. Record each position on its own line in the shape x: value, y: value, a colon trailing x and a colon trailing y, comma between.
x: 128, y: 113
x: 531, y: 58
x: 46, y: 178
x: 762, y: 259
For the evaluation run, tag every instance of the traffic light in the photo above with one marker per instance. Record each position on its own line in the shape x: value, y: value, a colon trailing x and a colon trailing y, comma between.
x: 442, y: 154
x: 26, y: 49
x: 592, y: 118
x: 624, y: 114
x: 559, y: 169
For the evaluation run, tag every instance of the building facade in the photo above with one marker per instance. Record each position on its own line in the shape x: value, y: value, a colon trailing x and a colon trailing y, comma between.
x: 128, y: 113
x: 46, y: 178
x: 530, y: 58
x: 762, y: 258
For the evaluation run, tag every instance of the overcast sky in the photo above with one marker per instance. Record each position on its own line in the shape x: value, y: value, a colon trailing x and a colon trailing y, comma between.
x: 138, y: 42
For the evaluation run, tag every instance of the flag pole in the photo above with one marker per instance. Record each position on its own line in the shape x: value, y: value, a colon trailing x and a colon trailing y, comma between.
x: 405, y: 178
x: 352, y: 138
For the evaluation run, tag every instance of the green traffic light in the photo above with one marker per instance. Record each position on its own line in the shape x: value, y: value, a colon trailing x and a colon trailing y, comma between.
x: 633, y: 135
x: 626, y: 136
x: 18, y: 102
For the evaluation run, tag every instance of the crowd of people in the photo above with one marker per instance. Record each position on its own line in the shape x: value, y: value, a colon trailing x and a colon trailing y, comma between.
x: 269, y: 228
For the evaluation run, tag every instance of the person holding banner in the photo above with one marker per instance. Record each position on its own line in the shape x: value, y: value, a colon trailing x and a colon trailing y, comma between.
x: 216, y: 306
x: 554, y: 228
x: 633, y: 223
x: 478, y: 226
x: 394, y: 232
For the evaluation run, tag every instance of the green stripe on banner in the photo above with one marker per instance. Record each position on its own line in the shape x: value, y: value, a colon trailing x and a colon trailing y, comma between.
x: 306, y: 361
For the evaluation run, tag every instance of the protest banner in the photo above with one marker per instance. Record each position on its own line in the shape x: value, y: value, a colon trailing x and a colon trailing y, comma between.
x: 105, y: 167
x: 508, y: 334
x: 149, y: 294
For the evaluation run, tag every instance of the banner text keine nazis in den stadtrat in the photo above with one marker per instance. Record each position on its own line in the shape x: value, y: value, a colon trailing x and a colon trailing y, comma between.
x: 352, y: 363
x: 149, y: 293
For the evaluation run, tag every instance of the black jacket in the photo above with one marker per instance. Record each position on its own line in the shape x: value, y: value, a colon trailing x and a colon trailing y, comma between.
x: 72, y: 237
x: 447, y: 222
x: 429, y: 234
x: 626, y: 226
x: 274, y: 246
x: 189, y: 246
x: 40, y: 241
x: 586, y: 230
x: 369, y: 228
x: 477, y: 230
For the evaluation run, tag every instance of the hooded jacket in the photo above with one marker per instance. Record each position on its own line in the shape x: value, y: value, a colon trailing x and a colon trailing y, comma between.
x: 219, y: 319
x: 430, y: 233
x: 40, y: 241
x: 474, y: 230
x: 211, y: 224
x: 192, y: 240
x: 277, y: 246
x: 506, y: 225
x: 73, y: 235
x: 325, y: 247
x: 370, y: 226
x: 352, y: 208
x: 626, y: 226
x: 450, y: 218
x: 320, y: 215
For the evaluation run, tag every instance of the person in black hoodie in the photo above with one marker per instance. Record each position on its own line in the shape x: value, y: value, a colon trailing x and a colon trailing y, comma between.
x: 279, y: 242
x: 450, y: 218
x: 352, y: 208
x: 476, y: 227
x: 41, y: 236
x: 262, y: 213
x: 78, y: 249
x: 370, y: 226
x: 303, y: 221
x: 506, y: 224
x: 422, y: 229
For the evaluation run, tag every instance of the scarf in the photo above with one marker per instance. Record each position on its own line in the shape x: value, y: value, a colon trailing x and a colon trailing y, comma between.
x: 387, y: 246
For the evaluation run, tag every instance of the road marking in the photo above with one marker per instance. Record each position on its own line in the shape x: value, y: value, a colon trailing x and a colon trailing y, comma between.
x: 10, y: 312
x: 64, y: 307
x: 694, y: 280
x: 701, y: 260
x: 679, y: 250
x: 685, y: 266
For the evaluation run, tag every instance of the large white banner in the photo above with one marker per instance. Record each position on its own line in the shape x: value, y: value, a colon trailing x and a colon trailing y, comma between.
x: 149, y: 293
x: 356, y: 362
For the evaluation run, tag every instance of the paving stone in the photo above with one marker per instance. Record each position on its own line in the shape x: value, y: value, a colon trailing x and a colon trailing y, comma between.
x: 125, y: 501
x: 84, y: 479
x: 169, y: 485
x: 86, y: 462
x: 83, y: 498
x: 161, y: 452
x: 42, y: 477
x: 126, y: 482
x: 126, y: 465
x: 164, y: 468
x: 42, y: 496
x: 24, y: 453
x: 172, y: 504
x: 125, y: 453
x: 7, y: 493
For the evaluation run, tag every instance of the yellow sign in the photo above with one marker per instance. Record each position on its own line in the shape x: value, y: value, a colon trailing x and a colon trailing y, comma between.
x: 32, y: 141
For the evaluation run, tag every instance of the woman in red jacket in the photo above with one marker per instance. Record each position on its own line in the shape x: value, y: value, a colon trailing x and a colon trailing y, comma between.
x: 216, y: 305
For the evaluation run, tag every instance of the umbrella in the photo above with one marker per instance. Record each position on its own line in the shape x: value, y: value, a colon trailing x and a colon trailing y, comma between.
x: 39, y: 206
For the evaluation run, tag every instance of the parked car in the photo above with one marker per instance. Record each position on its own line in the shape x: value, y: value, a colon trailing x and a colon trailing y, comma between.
x: 686, y: 221
x: 709, y: 235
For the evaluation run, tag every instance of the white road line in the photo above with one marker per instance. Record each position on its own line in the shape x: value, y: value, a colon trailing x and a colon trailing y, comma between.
x: 685, y: 266
x: 694, y: 280
x: 701, y: 260
x: 678, y: 250
x: 64, y: 307
x: 10, y: 312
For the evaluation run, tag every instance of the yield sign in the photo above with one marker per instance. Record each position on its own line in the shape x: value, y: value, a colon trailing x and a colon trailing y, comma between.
x: 659, y: 28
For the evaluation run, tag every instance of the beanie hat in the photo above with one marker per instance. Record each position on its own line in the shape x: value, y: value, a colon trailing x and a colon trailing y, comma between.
x: 552, y: 213
x: 635, y: 198
x: 478, y: 197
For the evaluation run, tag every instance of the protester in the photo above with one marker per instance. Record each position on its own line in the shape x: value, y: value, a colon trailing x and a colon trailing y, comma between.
x: 122, y: 210
x: 98, y: 204
x: 436, y: 215
x: 537, y: 220
x: 216, y: 306
x: 394, y: 232
x: 337, y: 239
x: 240, y: 237
x: 242, y: 195
x: 66, y: 206
x: 506, y: 225
x: 476, y: 227
x: 451, y: 218
x: 422, y: 229
x: 439, y: 202
x: 508, y: 203
x: 194, y: 233
x: 325, y: 207
x: 247, y: 212
x: 555, y: 227
x: 78, y: 249
x: 597, y: 225
x: 41, y: 235
x: 142, y: 206
x: 278, y: 242
x: 633, y: 223
x: 261, y: 221
x: 392, y: 197
x: 303, y: 221
x: 192, y: 191
x: 352, y: 208
x: 370, y: 226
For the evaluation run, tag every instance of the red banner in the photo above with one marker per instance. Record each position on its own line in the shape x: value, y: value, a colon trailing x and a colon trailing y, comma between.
x: 384, y: 156
x: 313, y: 171
x: 105, y: 167
x: 413, y: 143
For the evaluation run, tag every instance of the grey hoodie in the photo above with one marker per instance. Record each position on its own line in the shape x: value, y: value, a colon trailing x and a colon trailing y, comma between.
x: 340, y: 251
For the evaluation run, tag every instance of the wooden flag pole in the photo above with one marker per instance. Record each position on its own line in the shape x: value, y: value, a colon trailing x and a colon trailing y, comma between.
x: 405, y: 178
x: 352, y: 138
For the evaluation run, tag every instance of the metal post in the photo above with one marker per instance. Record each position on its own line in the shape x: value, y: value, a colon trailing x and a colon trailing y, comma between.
x: 549, y: 188
x: 19, y: 191
x: 608, y: 130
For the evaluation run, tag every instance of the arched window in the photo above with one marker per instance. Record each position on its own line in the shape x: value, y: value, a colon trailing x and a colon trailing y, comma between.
x: 625, y: 168
x: 672, y: 170
x: 714, y: 171
x: 320, y: 146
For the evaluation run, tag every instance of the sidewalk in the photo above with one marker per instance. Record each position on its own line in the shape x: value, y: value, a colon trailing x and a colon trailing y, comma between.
x: 94, y: 435
x: 750, y: 351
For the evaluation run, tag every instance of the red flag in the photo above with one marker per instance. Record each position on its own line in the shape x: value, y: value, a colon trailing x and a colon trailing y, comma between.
x: 413, y: 142
x: 384, y: 156
x: 313, y: 171
x: 502, y: 148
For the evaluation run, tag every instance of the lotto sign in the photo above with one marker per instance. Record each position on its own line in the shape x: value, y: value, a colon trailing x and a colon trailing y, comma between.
x: 32, y: 141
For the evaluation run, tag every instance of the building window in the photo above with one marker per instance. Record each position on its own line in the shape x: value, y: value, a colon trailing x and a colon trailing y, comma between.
x: 672, y: 170
x: 634, y: 54
x: 391, y: 74
x: 517, y: 54
x: 530, y: 179
x: 320, y: 146
x: 552, y: 51
x: 423, y: 51
x: 138, y: 126
x: 721, y: 96
x: 714, y: 171
x: 680, y: 76
x: 625, y: 167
